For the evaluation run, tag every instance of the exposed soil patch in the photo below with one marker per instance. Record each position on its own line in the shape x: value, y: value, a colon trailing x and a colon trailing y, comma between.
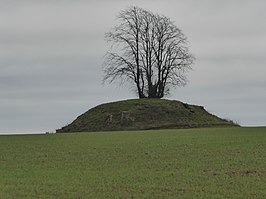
x: 245, y: 173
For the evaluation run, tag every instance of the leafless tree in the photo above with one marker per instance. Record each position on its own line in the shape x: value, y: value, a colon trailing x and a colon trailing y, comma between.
x: 149, y: 50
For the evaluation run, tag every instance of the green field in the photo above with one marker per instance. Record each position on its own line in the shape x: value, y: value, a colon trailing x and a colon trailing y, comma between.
x: 187, y: 163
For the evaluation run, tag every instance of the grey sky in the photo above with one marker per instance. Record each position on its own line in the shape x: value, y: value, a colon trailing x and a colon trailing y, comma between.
x: 51, y: 54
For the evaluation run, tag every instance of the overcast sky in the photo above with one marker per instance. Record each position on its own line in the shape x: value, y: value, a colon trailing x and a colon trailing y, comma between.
x: 51, y: 54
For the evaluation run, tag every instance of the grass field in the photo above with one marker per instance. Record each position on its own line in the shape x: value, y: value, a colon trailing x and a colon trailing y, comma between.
x: 187, y: 163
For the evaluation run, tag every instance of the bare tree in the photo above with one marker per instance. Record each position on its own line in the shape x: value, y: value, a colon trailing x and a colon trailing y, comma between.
x: 149, y: 50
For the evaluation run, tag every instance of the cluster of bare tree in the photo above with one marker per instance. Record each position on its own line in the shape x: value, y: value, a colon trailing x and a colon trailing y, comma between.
x: 148, y: 49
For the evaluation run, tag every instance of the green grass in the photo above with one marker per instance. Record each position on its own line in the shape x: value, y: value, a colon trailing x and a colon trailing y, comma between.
x: 187, y: 163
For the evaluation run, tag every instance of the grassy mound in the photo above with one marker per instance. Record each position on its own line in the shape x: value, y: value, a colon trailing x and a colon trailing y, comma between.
x: 141, y: 114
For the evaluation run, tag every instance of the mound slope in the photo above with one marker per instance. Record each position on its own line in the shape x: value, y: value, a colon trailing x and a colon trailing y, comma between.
x: 141, y: 114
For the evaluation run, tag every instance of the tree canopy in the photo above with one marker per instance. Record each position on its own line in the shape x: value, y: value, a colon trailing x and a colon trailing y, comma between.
x: 149, y: 50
